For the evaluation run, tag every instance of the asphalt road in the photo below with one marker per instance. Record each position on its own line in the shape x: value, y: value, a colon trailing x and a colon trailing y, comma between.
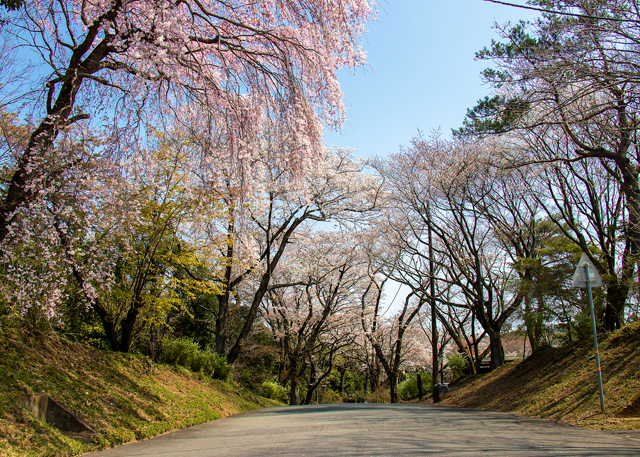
x: 380, y: 429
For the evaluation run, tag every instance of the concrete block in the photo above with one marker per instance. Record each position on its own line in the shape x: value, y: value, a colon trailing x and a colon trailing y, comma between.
x: 45, y: 408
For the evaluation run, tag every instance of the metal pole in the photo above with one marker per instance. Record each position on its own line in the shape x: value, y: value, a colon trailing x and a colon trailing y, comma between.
x: 595, y: 336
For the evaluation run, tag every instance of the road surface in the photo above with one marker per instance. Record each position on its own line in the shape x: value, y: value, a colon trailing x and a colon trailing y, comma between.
x: 380, y: 429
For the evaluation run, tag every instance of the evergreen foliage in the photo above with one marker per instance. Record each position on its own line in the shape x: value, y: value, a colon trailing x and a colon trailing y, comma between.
x: 408, y: 389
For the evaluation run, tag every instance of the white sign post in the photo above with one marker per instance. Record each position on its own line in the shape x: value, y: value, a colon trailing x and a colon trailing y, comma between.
x: 587, y: 276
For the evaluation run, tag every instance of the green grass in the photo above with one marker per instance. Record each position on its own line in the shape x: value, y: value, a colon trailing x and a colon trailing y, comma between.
x: 123, y: 397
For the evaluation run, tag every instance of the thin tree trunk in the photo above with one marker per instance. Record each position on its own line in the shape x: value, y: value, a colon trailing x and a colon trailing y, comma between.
x: 366, y: 381
x: 152, y: 343
x: 434, y: 322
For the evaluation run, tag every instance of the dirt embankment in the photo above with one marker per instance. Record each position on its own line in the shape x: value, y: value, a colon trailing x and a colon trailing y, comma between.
x: 122, y: 397
x: 561, y: 384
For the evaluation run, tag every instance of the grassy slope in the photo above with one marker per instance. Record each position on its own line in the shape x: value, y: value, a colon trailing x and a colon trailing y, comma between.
x: 561, y: 384
x: 122, y: 396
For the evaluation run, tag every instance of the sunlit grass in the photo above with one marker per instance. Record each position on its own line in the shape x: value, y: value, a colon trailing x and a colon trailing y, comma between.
x: 123, y: 397
x: 561, y: 384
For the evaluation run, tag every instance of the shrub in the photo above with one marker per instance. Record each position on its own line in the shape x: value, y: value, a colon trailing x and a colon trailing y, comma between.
x: 356, y: 397
x: 458, y: 363
x: 273, y: 390
x: 245, y: 379
x: 221, y: 368
x: 408, y: 389
x: 185, y: 352
x: 205, y: 362
x: 179, y: 352
x: 330, y: 396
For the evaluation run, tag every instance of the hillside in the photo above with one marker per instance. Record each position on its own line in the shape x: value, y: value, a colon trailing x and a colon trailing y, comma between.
x: 122, y: 397
x: 561, y: 384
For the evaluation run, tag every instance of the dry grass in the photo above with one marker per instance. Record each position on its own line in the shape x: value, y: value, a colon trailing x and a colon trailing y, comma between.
x: 561, y: 384
x: 380, y: 395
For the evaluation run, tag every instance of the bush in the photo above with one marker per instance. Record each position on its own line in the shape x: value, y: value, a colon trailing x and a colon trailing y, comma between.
x: 185, y: 352
x: 205, y: 362
x: 330, y: 396
x: 458, y: 364
x: 408, y: 389
x: 221, y: 368
x: 273, y: 390
x: 179, y: 352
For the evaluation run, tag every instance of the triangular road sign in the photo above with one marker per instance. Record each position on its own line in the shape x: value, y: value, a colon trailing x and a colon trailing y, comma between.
x: 579, y: 277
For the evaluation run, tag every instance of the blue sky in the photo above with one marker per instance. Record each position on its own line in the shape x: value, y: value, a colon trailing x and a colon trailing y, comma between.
x: 423, y: 76
x: 423, y: 71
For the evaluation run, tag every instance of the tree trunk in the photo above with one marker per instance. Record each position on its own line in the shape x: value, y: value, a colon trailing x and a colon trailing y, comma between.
x: 262, y: 288
x: 248, y: 323
x: 374, y: 377
x: 128, y: 325
x: 221, y: 324
x: 284, y: 372
x: 122, y: 342
x: 432, y: 290
x: 497, y: 351
x: 152, y: 343
x: 312, y: 385
x: 476, y: 352
x: 393, y: 388
x: 529, y: 322
x: 493, y: 326
x: 109, y: 330
x: 294, y: 394
x: 614, y: 310
x: 434, y: 347
x: 223, y: 299
x: 539, y: 320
